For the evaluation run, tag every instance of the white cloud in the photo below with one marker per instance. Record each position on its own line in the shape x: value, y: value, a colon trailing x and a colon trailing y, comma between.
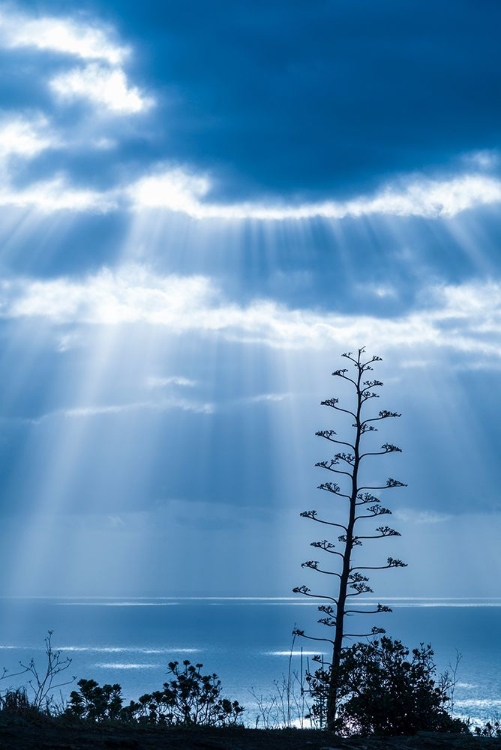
x: 485, y: 159
x: 177, y: 190
x: 86, y: 40
x: 165, y: 404
x: 68, y: 341
x: 431, y: 198
x: 155, y: 382
x: 184, y: 404
x: 131, y: 295
x: 268, y: 397
x: 102, y: 86
x: 185, y: 192
x: 22, y: 136
x: 92, y: 411
x: 56, y: 194
x: 420, y: 517
x: 174, y: 189
x: 102, y: 81
x: 381, y: 291
x: 465, y: 319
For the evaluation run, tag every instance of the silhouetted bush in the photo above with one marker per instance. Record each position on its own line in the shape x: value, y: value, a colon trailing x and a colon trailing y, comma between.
x: 42, y: 683
x: 16, y: 703
x: 386, y: 690
x: 96, y: 703
x: 490, y: 729
x: 188, y: 699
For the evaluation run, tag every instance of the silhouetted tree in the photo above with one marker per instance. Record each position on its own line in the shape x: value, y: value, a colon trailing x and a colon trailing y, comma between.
x: 361, y: 505
x: 385, y: 689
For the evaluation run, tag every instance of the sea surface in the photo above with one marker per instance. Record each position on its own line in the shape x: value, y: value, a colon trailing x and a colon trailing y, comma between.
x: 247, y: 642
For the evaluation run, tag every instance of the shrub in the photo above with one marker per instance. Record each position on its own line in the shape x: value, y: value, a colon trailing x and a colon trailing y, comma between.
x: 37, y: 698
x: 96, y: 703
x: 490, y: 729
x: 386, y: 690
x: 189, y: 698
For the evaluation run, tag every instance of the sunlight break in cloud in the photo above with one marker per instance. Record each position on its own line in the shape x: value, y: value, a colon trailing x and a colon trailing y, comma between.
x: 89, y: 41
x: 465, y: 319
x: 102, y: 86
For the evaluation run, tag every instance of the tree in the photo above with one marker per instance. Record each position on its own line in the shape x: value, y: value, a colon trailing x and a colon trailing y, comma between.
x: 385, y: 689
x: 362, y: 505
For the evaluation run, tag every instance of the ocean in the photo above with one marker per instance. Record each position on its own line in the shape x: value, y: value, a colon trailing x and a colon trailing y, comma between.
x: 247, y: 642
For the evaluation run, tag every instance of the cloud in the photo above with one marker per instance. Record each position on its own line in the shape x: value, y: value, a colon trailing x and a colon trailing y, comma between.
x: 24, y: 136
x: 164, y: 405
x: 86, y: 40
x: 101, y: 86
x: 92, y: 411
x: 102, y: 81
x: 420, y: 517
x: 185, y: 192
x: 156, y: 382
x: 131, y: 295
x: 242, y: 147
x: 485, y: 159
x: 463, y: 318
x: 177, y: 190
x: 56, y: 194
x: 268, y: 397
x: 380, y: 291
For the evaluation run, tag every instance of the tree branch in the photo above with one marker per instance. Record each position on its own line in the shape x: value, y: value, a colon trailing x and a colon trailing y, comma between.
x: 332, y: 402
x: 327, y: 434
x: 313, y: 565
x: 333, y: 488
x: 305, y: 591
x: 327, y: 547
x: 313, y: 515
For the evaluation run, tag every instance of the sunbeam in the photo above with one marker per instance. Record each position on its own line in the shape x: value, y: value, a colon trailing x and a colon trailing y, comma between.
x: 179, y: 279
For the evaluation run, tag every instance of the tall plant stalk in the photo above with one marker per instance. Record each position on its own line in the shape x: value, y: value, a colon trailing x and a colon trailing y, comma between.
x: 360, y: 504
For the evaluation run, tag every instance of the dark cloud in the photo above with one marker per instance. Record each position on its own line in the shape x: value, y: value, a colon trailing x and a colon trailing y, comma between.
x: 309, y: 98
x: 292, y: 99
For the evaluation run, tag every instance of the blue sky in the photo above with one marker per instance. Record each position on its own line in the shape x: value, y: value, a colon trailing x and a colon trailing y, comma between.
x: 204, y: 205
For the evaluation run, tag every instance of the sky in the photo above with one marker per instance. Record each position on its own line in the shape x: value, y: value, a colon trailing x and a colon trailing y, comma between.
x: 203, y: 205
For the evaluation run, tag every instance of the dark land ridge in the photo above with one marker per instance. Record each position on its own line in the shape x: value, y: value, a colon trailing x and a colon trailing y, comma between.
x: 50, y: 735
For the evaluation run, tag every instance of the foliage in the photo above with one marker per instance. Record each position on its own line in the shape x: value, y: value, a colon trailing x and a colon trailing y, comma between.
x: 42, y: 681
x: 384, y: 689
x: 490, y: 729
x: 16, y: 703
x: 358, y: 506
x: 96, y: 703
x: 188, y: 699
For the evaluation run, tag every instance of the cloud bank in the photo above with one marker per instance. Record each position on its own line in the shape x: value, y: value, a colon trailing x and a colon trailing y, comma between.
x: 462, y: 318
x: 81, y: 60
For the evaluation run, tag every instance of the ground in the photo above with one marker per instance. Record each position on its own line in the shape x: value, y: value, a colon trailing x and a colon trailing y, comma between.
x: 50, y: 736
